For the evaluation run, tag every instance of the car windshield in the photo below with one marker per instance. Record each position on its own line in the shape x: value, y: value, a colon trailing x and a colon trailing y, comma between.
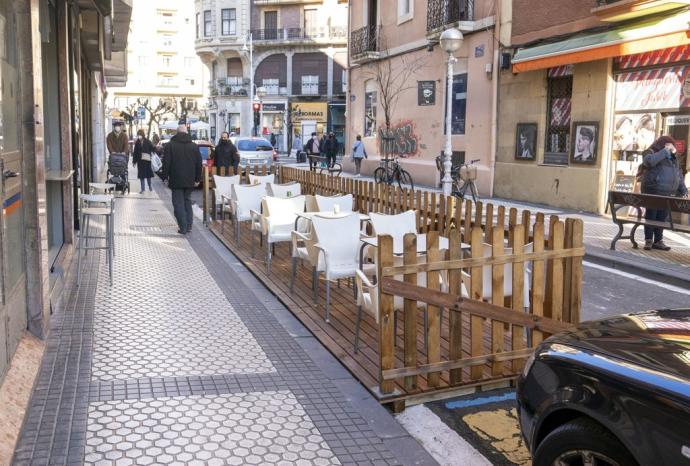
x: 254, y: 145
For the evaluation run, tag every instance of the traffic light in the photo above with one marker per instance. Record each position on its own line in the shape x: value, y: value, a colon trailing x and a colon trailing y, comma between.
x: 257, y: 107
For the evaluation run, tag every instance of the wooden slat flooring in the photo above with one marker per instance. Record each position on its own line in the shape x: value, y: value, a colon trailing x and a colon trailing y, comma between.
x: 338, y: 336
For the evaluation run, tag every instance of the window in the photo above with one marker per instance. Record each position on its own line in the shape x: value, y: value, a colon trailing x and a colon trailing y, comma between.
x: 405, y: 10
x: 272, y: 86
x: 310, y: 85
x: 166, y: 61
x: 207, y: 23
x: 234, y: 123
x: 560, y: 91
x: 166, y: 80
x: 143, y: 60
x: 311, y: 23
x: 167, y: 40
x: 188, y: 62
x: 459, y: 101
x: 189, y: 81
x: 229, y: 21
x: 369, y: 114
x: 198, y: 18
x: 166, y: 18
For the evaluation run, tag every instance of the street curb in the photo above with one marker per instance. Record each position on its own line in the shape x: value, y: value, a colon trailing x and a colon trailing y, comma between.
x: 635, y: 267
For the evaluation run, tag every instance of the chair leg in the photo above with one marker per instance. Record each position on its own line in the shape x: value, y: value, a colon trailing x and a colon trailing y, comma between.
x: 632, y: 236
x: 292, y: 275
x: 357, y: 325
x: 268, y: 258
x: 617, y: 237
x: 328, y: 300
x: 86, y: 226
x: 315, y: 284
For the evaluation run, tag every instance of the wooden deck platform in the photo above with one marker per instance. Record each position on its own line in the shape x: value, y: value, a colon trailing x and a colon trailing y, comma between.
x: 338, y: 335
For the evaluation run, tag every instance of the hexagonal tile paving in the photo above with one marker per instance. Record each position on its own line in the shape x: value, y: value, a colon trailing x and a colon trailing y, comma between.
x: 142, y: 334
x: 285, y: 435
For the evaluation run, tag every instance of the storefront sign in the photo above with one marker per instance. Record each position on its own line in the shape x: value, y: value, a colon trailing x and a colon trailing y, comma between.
x: 273, y: 107
x: 426, y: 93
x: 624, y: 183
x: 308, y: 111
x: 665, y: 88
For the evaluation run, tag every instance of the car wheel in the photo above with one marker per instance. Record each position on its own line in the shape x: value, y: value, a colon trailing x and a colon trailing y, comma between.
x: 582, y: 442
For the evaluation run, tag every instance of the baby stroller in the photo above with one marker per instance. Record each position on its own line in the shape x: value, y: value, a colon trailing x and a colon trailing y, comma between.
x: 118, y: 172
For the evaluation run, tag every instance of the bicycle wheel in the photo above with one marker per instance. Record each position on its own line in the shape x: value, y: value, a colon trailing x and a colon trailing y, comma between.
x: 405, y: 180
x: 380, y: 175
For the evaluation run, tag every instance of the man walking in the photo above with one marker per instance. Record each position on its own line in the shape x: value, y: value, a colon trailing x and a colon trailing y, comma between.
x: 182, y: 168
x: 117, y: 141
x: 313, y: 148
x: 330, y: 149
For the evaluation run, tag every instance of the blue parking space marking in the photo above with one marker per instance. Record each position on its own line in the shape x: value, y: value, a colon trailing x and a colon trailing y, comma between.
x: 458, y: 404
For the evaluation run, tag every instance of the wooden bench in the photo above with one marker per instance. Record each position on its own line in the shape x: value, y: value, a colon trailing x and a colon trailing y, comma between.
x: 619, y: 200
x: 321, y: 163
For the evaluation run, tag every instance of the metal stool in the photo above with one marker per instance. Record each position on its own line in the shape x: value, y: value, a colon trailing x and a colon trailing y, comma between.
x: 105, y: 210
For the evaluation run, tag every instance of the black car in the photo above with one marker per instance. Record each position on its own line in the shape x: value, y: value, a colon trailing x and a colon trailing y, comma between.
x: 612, y: 392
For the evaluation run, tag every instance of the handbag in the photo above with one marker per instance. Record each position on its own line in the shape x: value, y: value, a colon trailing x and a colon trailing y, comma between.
x: 156, y: 163
x: 146, y: 157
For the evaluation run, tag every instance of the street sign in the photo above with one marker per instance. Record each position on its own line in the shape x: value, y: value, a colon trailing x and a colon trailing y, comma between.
x: 141, y: 113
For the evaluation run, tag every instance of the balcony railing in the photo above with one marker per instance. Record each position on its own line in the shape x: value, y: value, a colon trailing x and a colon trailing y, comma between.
x: 441, y: 13
x: 364, y: 40
x: 226, y: 87
x: 320, y: 88
x: 299, y: 34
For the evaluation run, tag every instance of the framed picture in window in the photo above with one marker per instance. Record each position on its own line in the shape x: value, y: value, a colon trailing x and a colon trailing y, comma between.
x: 586, y: 135
x: 525, y: 141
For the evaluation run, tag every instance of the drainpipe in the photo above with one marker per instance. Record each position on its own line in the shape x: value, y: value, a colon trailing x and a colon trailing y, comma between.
x: 494, y: 96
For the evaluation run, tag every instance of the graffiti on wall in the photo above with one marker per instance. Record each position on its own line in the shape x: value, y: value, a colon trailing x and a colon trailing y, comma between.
x: 399, y: 140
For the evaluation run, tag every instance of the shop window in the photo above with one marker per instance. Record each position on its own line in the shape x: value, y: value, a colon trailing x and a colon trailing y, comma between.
x: 370, y: 114
x: 459, y: 104
x: 234, y: 123
x: 559, y: 104
x: 207, y: 23
x: 229, y: 21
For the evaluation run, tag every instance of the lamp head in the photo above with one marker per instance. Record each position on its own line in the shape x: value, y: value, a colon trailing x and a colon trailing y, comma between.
x: 261, y: 92
x: 451, y: 40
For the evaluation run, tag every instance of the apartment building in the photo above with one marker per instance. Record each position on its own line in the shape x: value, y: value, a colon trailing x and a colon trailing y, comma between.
x: 295, y: 50
x: 163, y: 63
x: 396, y: 62
x: 592, y: 84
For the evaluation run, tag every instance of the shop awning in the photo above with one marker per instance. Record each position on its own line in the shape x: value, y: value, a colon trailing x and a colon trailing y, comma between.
x: 642, y: 37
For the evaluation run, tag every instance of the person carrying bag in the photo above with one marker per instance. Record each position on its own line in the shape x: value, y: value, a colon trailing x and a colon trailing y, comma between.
x: 359, y: 152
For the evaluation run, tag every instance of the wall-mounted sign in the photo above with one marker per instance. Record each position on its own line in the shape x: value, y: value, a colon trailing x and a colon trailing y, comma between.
x: 353, y: 98
x: 308, y: 111
x: 426, y: 93
x: 664, y: 88
x: 479, y: 51
x: 625, y: 183
x: 273, y: 107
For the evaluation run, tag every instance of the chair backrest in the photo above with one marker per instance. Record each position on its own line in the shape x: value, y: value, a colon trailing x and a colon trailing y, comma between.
x: 278, y: 208
x: 224, y: 184
x: 338, y: 236
x: 257, y: 179
x: 312, y: 206
x: 248, y: 197
x: 487, y: 270
x: 327, y: 203
x: 396, y: 226
x: 284, y: 190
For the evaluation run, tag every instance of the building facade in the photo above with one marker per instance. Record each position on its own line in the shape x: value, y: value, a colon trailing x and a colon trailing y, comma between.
x: 398, y: 73
x: 591, y: 85
x: 163, y: 64
x: 295, y: 50
x: 56, y: 57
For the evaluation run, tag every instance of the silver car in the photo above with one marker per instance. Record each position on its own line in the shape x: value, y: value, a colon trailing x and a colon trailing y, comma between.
x: 255, y: 152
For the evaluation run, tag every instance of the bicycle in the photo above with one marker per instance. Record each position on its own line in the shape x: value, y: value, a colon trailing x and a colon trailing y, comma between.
x: 463, y: 177
x: 391, y: 171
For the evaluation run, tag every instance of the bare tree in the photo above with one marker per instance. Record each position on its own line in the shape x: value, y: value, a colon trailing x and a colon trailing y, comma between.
x: 157, y: 112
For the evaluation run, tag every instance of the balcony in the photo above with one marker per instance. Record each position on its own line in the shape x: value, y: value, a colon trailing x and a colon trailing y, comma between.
x: 442, y: 14
x: 297, y: 35
x: 364, y: 44
x: 316, y: 89
x: 229, y: 87
x: 621, y: 10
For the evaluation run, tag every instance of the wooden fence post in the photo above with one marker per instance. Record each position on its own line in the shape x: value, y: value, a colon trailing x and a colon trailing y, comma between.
x: 498, y: 299
x: 386, y: 320
x: 410, y: 339
x: 454, y: 317
x: 476, y: 292
x: 517, y: 332
x: 433, y: 313
x: 538, y: 268
x: 576, y: 273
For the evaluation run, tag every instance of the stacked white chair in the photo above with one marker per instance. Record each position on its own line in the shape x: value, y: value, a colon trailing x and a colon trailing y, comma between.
x: 277, y: 221
x: 245, y: 199
x: 284, y: 190
x: 223, y: 192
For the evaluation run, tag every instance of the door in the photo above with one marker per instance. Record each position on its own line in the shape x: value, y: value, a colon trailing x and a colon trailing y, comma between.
x: 270, y: 25
x: 678, y: 127
x: 12, y: 262
x: 308, y: 127
x: 311, y: 23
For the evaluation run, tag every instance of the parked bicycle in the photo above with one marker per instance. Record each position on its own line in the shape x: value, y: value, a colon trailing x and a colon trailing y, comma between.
x: 391, y: 172
x: 463, y: 177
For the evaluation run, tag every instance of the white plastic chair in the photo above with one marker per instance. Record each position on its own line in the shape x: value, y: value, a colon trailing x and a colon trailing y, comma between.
x: 257, y: 179
x: 277, y: 220
x: 338, y: 245
x: 328, y: 203
x: 284, y: 190
x: 223, y: 190
x: 396, y: 226
x: 244, y: 200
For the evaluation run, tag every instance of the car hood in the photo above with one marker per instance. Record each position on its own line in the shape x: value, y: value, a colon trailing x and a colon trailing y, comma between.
x: 658, y: 340
x: 255, y: 154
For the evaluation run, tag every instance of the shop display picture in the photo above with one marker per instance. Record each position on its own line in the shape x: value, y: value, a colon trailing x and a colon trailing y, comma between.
x: 586, y: 136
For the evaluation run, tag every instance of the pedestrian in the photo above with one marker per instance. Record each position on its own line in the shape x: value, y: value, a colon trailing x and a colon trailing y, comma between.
x: 297, y: 146
x: 359, y: 152
x: 143, y: 151
x: 274, y: 141
x: 330, y: 149
x: 661, y: 175
x: 182, y: 168
x: 155, y: 139
x: 117, y: 141
x: 226, y: 155
x: 313, y: 148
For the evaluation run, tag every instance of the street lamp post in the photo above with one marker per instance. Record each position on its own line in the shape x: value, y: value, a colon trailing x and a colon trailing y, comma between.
x: 249, y: 48
x: 261, y: 93
x: 451, y: 41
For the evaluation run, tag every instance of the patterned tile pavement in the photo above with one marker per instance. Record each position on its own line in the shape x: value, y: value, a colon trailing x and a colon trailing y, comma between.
x: 187, y: 359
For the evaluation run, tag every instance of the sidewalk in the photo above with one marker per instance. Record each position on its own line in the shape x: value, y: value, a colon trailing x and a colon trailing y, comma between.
x: 188, y: 359
x: 673, y: 265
